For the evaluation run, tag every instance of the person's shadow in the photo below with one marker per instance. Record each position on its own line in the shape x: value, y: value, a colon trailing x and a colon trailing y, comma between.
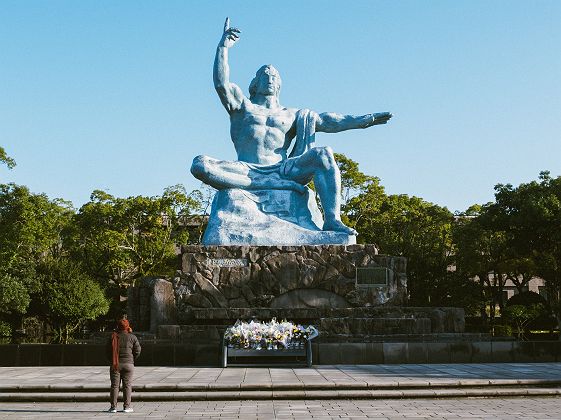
x: 37, y: 410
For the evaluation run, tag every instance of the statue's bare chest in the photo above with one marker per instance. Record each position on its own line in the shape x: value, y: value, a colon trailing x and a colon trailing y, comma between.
x: 280, y: 120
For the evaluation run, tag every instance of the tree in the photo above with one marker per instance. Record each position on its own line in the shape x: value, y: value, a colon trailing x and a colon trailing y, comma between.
x: 480, y: 254
x: 353, y: 181
x: 530, y: 215
x: 354, y: 184
x: 6, y: 160
x: 31, y: 226
x: 123, y: 239
x: 14, y: 296
x: 68, y: 297
x: 403, y: 225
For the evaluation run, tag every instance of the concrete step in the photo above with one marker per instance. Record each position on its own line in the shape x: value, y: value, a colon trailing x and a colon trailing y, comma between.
x: 292, y: 390
x: 491, y: 391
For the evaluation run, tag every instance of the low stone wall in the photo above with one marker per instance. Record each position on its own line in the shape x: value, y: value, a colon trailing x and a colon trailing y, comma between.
x: 335, y: 324
x: 199, y: 354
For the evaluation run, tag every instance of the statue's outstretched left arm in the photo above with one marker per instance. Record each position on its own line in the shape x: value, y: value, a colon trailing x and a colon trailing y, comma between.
x: 329, y: 122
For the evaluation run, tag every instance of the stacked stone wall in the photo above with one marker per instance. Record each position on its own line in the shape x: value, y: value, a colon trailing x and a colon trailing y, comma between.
x: 289, y: 276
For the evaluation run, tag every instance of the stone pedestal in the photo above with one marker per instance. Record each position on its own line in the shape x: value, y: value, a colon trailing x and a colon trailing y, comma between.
x: 288, y: 276
x: 350, y: 292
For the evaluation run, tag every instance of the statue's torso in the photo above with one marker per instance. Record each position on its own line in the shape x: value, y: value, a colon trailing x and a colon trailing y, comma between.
x: 262, y: 135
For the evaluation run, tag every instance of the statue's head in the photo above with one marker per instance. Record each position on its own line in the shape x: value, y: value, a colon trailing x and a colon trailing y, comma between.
x: 267, y: 81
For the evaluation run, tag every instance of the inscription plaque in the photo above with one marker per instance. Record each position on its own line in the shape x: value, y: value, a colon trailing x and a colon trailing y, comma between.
x: 371, y: 276
x: 228, y: 262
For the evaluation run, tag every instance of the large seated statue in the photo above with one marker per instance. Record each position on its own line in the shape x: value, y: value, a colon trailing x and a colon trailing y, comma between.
x: 262, y: 197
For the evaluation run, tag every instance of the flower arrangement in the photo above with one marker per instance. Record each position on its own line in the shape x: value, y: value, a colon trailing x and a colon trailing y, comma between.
x: 271, y: 335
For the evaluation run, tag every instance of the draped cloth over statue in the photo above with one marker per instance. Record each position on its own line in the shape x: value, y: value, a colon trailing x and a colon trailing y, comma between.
x: 272, y: 216
x: 305, y: 132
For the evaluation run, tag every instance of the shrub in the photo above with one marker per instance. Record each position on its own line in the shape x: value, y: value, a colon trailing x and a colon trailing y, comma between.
x: 5, y: 329
x: 527, y: 299
x: 519, y: 316
x: 502, y: 331
x: 544, y: 320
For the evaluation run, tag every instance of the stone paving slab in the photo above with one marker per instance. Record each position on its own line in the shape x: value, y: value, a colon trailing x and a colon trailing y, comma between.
x: 331, y: 394
x: 336, y: 376
x: 325, y: 382
x: 476, y: 408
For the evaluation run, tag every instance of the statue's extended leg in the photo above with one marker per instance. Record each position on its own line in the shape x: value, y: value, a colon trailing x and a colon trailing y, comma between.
x: 320, y: 163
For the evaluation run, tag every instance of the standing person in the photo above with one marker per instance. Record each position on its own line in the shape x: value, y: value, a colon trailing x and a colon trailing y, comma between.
x: 122, y: 350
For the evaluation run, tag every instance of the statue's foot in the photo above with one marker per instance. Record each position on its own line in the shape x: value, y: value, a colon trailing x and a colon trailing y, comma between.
x: 338, y: 226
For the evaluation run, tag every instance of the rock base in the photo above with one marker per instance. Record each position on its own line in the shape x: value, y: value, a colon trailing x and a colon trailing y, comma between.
x: 288, y: 277
x: 268, y: 217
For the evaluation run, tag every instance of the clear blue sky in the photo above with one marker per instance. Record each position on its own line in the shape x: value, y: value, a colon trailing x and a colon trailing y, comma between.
x: 118, y: 95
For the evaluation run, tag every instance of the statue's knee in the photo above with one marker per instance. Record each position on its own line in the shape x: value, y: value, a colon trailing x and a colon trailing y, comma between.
x: 200, y: 166
x: 325, y: 156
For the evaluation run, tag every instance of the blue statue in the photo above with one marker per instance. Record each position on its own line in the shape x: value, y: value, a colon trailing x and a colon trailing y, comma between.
x: 269, y: 173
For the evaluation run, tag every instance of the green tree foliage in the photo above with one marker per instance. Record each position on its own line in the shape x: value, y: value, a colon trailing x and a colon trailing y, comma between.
x: 402, y: 225
x: 353, y: 181
x: 516, y: 237
x: 519, y: 316
x: 479, y: 251
x: 68, y: 297
x: 30, y: 230
x: 456, y: 290
x: 546, y: 319
x: 14, y: 295
x: 123, y: 239
x: 6, y: 160
x: 50, y: 255
x: 360, y: 193
x: 530, y: 217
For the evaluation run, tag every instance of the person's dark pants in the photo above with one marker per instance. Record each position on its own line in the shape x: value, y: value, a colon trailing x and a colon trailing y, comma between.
x: 124, y: 373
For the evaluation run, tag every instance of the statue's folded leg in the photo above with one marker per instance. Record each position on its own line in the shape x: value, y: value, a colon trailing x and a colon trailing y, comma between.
x: 222, y: 174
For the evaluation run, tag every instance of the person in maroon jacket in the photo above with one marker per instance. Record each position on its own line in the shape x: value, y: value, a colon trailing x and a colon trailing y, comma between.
x: 122, y: 350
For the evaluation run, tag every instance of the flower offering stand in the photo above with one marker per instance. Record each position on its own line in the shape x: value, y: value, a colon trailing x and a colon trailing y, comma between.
x: 255, y: 340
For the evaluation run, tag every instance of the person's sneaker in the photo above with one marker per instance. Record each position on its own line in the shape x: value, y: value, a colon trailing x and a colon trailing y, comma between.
x: 112, y: 410
x: 128, y: 410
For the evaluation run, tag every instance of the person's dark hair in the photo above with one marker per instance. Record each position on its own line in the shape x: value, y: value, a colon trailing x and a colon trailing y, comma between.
x: 253, y: 84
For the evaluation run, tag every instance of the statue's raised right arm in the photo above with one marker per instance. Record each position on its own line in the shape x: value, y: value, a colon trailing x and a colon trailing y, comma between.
x: 230, y: 94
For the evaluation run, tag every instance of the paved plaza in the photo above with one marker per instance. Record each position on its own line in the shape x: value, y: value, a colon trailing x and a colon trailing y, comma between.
x: 511, y: 391
x: 473, y: 408
x: 318, y: 377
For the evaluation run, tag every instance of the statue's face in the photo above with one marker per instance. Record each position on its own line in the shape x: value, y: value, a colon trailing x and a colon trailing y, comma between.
x: 268, y: 82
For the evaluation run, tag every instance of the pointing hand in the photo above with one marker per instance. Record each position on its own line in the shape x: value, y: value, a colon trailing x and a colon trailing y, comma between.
x: 230, y: 35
